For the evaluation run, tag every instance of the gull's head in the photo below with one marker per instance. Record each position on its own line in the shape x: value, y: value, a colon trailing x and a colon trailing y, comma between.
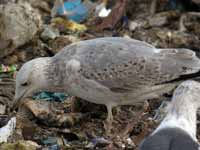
x: 30, y: 78
x: 190, y: 91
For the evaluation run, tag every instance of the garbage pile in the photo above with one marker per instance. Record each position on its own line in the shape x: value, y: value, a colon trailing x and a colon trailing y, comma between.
x: 39, y: 28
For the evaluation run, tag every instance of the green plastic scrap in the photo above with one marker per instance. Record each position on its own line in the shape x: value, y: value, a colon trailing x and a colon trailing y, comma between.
x: 10, y: 68
x: 50, y: 96
x: 7, y: 71
x: 50, y: 141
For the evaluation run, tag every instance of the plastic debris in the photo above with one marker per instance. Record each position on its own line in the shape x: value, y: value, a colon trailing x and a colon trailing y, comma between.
x: 54, y: 147
x: 50, y: 96
x: 104, y: 12
x: 7, y: 130
x: 66, y: 25
x: 50, y: 141
x: 100, y: 141
x: 115, y: 15
x: 101, y: 10
x: 5, y: 69
x: 72, y: 9
x: 49, y: 33
x: 133, y: 25
x: 49, y: 115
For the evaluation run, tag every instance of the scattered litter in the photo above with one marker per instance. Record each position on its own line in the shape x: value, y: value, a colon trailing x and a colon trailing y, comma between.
x: 36, y: 28
x: 54, y: 147
x: 50, y: 96
x: 49, y: 33
x: 118, y: 11
x: 7, y: 130
x: 104, y: 12
x: 101, y: 10
x: 5, y: 69
x: 100, y: 142
x: 66, y: 25
x: 130, y: 142
x: 49, y: 115
x: 50, y: 141
x: 71, y: 9
x: 133, y: 25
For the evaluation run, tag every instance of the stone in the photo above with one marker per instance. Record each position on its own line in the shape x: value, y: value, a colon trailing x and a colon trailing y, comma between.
x: 19, y: 24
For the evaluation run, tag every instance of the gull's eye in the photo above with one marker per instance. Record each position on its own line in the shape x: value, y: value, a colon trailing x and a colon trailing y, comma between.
x: 24, y: 84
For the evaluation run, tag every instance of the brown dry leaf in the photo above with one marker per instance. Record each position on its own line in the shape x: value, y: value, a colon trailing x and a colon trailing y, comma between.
x: 113, y: 18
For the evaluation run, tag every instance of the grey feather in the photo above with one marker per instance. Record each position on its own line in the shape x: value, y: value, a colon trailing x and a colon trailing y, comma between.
x: 128, y: 64
x: 111, y: 71
x: 169, y: 139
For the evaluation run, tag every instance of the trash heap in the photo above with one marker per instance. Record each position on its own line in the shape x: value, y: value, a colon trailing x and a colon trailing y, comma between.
x: 39, y: 28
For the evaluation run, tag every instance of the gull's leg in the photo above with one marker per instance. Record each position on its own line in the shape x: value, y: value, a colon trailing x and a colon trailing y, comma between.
x: 109, y: 119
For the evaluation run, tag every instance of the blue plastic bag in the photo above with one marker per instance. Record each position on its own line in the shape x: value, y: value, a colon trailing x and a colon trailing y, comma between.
x: 73, y: 10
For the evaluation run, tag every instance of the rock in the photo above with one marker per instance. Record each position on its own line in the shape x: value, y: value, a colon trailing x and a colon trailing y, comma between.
x: 19, y: 23
x: 49, y: 33
x: 2, y: 109
x: 162, y: 19
x: 42, y: 7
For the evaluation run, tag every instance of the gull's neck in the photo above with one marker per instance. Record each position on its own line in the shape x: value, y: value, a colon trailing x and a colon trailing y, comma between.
x: 181, y: 114
x: 41, y: 67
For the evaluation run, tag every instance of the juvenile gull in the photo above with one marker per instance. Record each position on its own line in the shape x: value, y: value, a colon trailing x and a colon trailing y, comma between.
x: 111, y: 71
x: 178, y: 129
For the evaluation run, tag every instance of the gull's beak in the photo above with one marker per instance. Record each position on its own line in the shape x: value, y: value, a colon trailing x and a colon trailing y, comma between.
x: 21, y: 96
x: 17, y: 102
x: 18, y: 99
